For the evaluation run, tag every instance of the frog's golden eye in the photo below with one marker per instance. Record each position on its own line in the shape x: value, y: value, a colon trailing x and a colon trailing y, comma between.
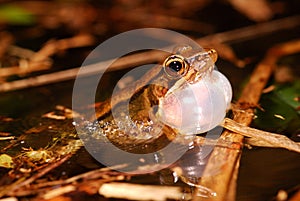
x: 175, y: 66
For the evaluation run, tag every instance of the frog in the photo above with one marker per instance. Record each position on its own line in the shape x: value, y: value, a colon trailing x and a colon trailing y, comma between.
x: 150, y: 120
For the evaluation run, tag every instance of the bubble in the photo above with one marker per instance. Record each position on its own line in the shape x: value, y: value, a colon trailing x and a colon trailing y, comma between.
x: 197, y: 107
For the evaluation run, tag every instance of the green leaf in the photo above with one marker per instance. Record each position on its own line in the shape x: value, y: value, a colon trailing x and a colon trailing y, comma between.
x: 16, y: 15
x: 290, y: 94
x: 280, y: 112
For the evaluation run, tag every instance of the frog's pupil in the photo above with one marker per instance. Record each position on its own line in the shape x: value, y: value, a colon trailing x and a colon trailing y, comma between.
x: 175, y: 66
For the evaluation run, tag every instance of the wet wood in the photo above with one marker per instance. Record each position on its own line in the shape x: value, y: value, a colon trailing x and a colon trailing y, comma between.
x: 221, y: 171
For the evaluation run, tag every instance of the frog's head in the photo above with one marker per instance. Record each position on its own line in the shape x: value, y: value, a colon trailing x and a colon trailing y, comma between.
x: 190, y: 63
x: 200, y: 95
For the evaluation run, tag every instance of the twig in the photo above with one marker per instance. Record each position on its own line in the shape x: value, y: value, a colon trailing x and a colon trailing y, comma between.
x: 37, y: 61
x: 295, y: 197
x: 140, y: 192
x: 225, y: 161
x: 20, y: 183
x: 275, y: 140
x: 5, y: 40
x: 59, y: 191
x: 20, y: 52
x: 4, y: 134
x: 100, y: 67
x: 252, y: 32
x: 42, y: 172
x: 257, y: 10
x: 54, y: 46
x: 9, y: 199
x: 7, y: 138
x: 204, y: 141
x: 153, y: 56
x: 24, y: 67
x: 261, y: 143
x: 93, y: 172
x: 107, y: 175
x: 257, y: 138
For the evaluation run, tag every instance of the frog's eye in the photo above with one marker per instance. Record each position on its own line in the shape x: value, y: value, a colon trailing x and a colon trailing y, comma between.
x: 175, y: 66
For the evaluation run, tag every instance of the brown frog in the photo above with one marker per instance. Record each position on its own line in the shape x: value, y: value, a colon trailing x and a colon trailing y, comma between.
x: 133, y: 118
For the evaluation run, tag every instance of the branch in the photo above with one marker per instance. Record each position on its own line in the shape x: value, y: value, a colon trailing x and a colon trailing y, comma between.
x: 140, y: 192
x: 272, y: 139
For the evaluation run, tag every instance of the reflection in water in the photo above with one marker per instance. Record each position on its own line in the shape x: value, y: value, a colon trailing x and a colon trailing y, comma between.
x: 264, y: 171
x: 189, y: 169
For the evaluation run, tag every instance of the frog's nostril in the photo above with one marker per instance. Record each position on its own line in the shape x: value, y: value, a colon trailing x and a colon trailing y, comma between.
x: 212, y: 53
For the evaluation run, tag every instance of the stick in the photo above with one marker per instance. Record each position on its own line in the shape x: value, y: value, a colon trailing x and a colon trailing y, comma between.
x: 140, y: 192
x: 100, y: 67
x: 276, y: 140
x: 7, y: 138
x: 225, y: 161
